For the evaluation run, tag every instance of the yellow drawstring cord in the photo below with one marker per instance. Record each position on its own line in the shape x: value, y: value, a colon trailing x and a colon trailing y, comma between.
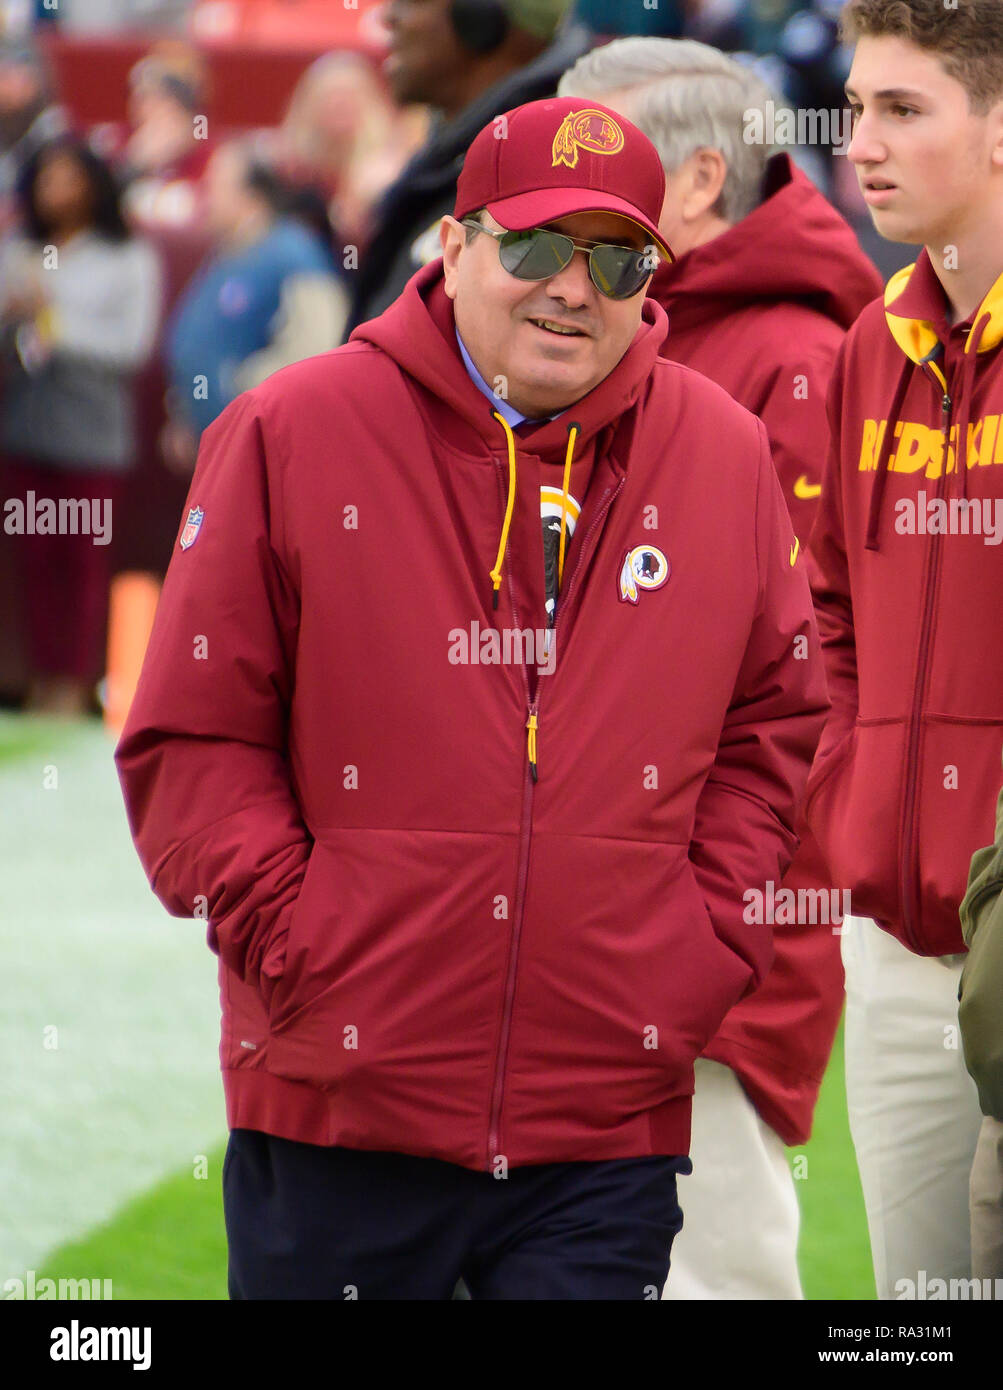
x: 532, y: 725
x: 496, y: 572
x: 573, y: 431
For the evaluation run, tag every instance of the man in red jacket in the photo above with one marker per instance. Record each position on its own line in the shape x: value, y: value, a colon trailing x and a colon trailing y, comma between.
x: 767, y: 278
x: 908, y: 579
x: 470, y: 813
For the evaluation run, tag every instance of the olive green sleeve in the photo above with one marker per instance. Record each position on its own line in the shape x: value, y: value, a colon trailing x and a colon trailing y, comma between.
x: 981, y: 991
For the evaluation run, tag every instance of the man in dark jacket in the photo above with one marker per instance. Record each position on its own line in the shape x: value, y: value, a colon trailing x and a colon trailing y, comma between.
x: 468, y: 60
x: 475, y: 869
x: 767, y: 278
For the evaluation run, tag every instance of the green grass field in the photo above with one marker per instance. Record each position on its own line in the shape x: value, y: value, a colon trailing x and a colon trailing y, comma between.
x: 168, y: 1242
x: 20, y: 736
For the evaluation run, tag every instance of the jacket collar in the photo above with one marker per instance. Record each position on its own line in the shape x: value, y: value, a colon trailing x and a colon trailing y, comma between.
x: 915, y: 306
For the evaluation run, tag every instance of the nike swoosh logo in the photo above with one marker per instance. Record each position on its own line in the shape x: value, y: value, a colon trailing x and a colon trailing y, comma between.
x: 795, y: 550
x: 805, y: 490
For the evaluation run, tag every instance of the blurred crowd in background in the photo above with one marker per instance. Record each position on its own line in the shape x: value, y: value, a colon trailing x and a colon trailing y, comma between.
x: 161, y: 259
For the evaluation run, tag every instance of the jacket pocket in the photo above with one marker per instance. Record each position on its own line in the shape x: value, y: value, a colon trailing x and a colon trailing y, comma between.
x: 726, y: 974
x: 958, y: 781
x: 855, y: 814
x: 282, y: 956
x: 395, y: 966
x: 622, y: 981
x: 822, y: 773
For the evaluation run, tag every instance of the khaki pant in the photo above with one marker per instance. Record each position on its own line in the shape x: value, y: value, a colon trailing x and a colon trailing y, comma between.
x: 987, y: 1202
x: 740, y: 1208
x: 914, y: 1110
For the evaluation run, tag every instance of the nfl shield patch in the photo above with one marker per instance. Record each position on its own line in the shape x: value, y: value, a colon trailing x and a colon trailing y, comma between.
x: 192, y: 527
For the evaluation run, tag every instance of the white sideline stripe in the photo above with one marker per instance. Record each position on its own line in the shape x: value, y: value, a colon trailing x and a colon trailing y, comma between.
x: 133, y: 1091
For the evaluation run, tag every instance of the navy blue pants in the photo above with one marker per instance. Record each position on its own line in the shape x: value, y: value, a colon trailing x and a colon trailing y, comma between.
x: 305, y: 1221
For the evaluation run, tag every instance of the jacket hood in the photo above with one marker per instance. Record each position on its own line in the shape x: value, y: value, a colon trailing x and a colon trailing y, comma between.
x: 795, y: 247
x: 418, y: 332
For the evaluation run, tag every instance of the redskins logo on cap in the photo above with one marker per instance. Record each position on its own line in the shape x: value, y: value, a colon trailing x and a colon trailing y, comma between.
x: 590, y: 130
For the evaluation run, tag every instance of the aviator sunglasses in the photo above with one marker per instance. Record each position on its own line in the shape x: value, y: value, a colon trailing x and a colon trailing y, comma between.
x: 618, y: 272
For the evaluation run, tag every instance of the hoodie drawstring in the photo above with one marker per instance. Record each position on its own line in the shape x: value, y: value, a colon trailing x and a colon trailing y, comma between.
x: 968, y: 371
x: 965, y: 407
x: 574, y: 429
x: 919, y: 342
x: 884, y: 454
x: 496, y: 572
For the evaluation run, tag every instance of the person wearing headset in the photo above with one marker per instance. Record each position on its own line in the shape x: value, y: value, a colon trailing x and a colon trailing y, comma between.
x: 468, y: 60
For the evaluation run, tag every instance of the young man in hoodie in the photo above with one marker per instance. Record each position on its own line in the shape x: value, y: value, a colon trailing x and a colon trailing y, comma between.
x: 908, y: 575
x: 471, y: 829
x: 767, y: 278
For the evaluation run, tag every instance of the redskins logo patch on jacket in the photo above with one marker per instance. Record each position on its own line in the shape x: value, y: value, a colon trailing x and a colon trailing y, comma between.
x: 644, y: 567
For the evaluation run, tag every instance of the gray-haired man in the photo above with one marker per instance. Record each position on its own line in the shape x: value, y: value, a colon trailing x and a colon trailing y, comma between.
x: 767, y: 279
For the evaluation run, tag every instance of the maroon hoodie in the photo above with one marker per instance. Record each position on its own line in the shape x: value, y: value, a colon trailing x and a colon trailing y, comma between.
x: 423, y: 947
x: 763, y: 310
x: 907, y: 568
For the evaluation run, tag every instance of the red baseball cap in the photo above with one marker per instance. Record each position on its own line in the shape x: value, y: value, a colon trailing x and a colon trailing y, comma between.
x: 548, y: 159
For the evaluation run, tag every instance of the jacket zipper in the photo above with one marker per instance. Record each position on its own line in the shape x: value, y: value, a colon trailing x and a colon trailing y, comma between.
x: 525, y: 836
x: 910, y: 855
